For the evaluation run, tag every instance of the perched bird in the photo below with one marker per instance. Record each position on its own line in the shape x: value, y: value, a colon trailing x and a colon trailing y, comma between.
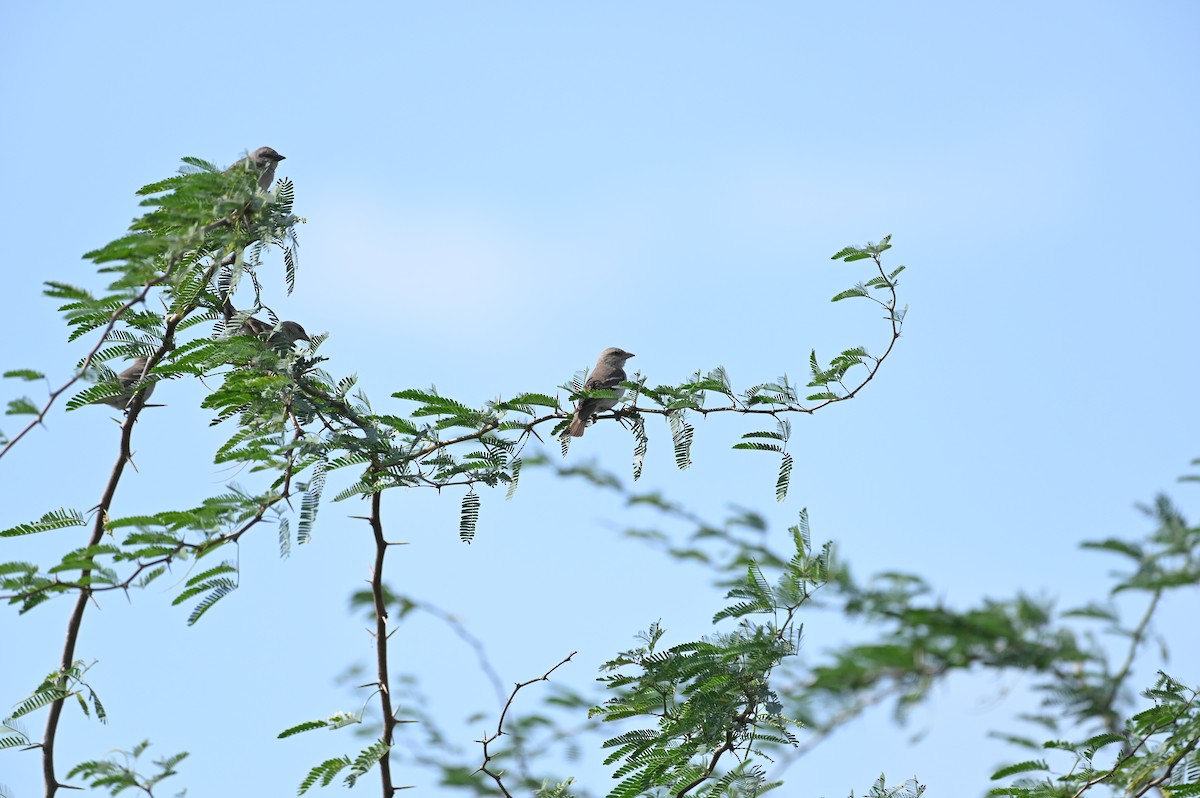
x: 282, y: 336
x: 608, y: 374
x: 263, y: 160
x: 127, y: 378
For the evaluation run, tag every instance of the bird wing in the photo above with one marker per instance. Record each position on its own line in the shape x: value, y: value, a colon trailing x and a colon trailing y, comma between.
x: 612, y: 381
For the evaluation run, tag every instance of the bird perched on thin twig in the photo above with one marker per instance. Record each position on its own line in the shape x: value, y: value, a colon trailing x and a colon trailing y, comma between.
x: 282, y: 336
x: 128, y: 378
x: 608, y: 374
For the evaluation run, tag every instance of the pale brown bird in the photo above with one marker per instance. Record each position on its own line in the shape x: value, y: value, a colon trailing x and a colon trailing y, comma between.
x: 282, y: 336
x: 263, y: 160
x: 128, y: 378
x: 608, y: 374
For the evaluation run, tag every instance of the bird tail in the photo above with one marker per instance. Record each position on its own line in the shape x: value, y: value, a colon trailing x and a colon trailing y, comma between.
x: 576, y: 428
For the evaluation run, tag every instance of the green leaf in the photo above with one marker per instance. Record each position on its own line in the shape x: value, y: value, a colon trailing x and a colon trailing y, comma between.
x: 640, y: 445
x: 515, y: 468
x: 777, y: 436
x: 56, y: 519
x: 1131, y: 550
x: 64, y: 291
x: 308, y: 725
x: 857, y: 291
x: 681, y: 439
x: 537, y: 399
x: 785, y: 476
x: 29, y: 375
x: 761, y: 447
x: 366, y: 760
x: 1028, y: 766
x: 22, y: 407
x: 324, y: 772
x: 469, y: 517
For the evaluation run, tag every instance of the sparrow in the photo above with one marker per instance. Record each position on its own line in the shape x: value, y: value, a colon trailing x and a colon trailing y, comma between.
x: 128, y: 378
x: 282, y: 336
x: 608, y: 374
x: 263, y: 160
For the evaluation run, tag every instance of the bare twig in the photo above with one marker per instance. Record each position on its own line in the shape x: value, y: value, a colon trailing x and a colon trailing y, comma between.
x: 491, y: 738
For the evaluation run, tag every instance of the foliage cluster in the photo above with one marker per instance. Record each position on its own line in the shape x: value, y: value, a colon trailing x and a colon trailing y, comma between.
x: 703, y: 715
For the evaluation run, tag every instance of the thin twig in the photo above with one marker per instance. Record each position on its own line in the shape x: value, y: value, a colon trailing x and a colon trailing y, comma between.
x: 489, y: 739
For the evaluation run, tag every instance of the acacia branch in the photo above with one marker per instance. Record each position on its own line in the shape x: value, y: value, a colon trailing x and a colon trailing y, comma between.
x: 1191, y: 745
x: 736, y: 404
x: 76, y: 618
x: 381, y: 641
x: 712, y: 765
x: 489, y: 739
x: 133, y: 410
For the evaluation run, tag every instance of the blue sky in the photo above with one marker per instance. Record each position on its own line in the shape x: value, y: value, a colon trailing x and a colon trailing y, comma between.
x: 494, y: 193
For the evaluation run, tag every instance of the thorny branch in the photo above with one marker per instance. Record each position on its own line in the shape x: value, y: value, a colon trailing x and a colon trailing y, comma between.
x: 491, y: 738
x: 133, y: 410
x: 381, y: 640
x: 85, y: 593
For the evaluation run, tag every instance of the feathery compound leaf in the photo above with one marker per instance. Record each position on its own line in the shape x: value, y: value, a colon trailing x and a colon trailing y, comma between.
x: 188, y: 291
x: 776, y: 436
x: 469, y: 518
x: 681, y: 439
x: 1028, y: 766
x: 46, y: 694
x: 299, y: 728
x: 223, y: 568
x: 56, y: 290
x: 311, y: 502
x: 759, y: 447
x: 217, y: 589
x: 785, y: 476
x: 434, y: 405
x: 15, y: 740
x: 515, y: 469
x: 289, y: 263
x: 525, y: 399
x: 366, y: 760
x: 28, y: 568
x: 641, y: 443
x: 802, y: 533
x: 28, y: 375
x: 21, y: 407
x: 285, y: 537
x: 850, y: 254
x: 858, y: 290
x: 55, y: 519
x: 324, y: 772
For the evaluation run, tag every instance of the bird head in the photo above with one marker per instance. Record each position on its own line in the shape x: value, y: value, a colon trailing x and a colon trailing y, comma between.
x: 615, y: 356
x: 265, y: 156
x: 293, y: 331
